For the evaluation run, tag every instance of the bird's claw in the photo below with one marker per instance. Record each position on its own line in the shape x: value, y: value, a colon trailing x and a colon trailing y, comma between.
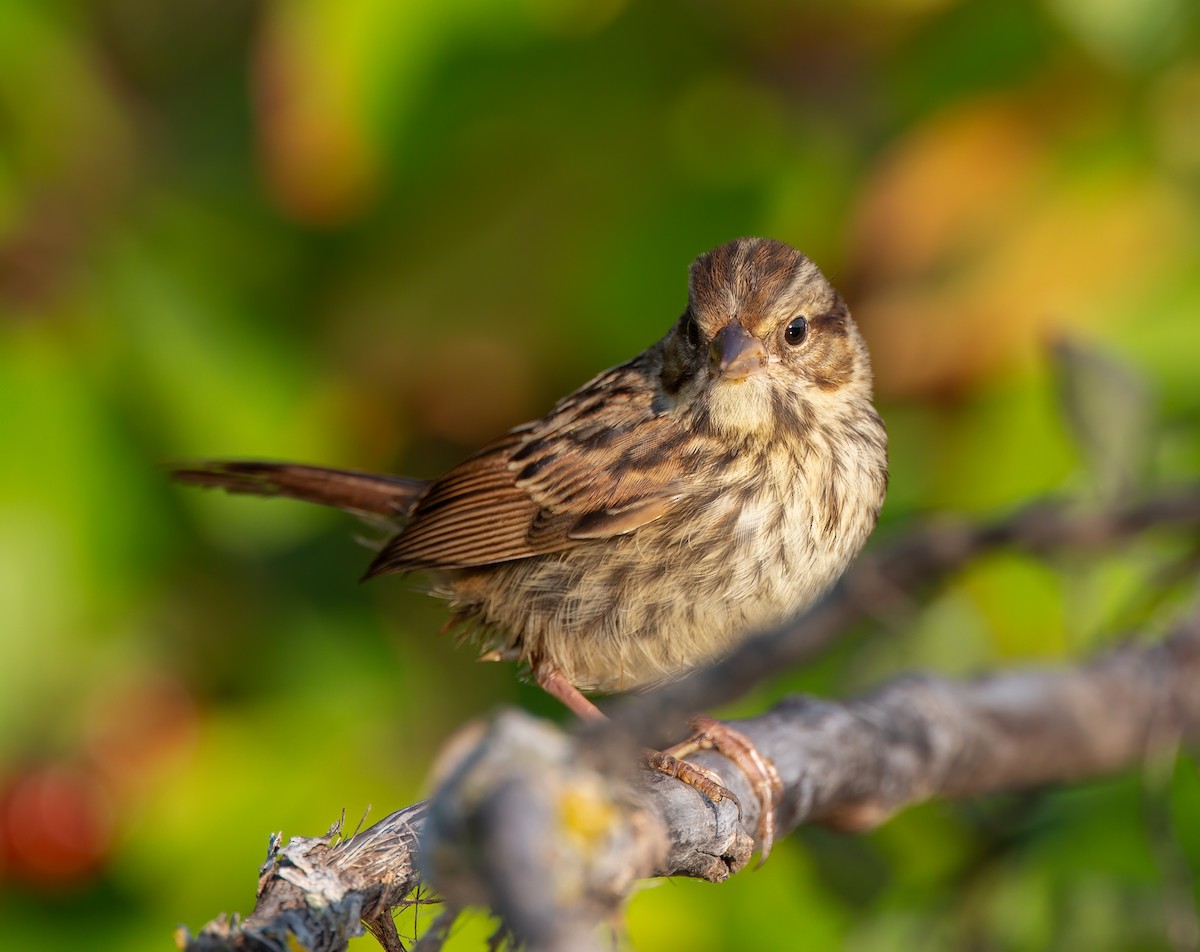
x: 711, y: 734
x: 704, y: 780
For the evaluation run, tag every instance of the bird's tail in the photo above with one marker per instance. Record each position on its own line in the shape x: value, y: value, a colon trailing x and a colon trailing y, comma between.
x: 364, y: 494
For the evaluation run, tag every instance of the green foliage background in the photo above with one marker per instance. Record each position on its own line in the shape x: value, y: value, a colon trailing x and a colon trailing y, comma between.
x: 374, y: 233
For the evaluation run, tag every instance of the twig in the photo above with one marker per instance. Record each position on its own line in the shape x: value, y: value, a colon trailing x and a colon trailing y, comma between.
x: 319, y: 891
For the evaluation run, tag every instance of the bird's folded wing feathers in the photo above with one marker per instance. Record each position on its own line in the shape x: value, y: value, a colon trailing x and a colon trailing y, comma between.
x: 591, y: 469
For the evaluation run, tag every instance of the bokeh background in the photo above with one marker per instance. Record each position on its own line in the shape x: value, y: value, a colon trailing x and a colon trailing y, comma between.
x: 374, y: 233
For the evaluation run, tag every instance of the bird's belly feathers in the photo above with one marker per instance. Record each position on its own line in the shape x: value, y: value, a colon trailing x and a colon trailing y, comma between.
x: 636, y: 610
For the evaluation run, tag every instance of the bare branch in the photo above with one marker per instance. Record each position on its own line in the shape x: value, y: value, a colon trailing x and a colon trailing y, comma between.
x: 318, y: 891
x: 546, y: 829
x: 850, y: 765
x: 527, y: 824
x: 921, y: 558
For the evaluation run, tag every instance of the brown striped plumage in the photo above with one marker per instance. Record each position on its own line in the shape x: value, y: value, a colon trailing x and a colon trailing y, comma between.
x: 718, y: 482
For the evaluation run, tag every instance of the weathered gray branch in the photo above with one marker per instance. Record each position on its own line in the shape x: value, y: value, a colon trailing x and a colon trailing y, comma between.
x: 526, y: 823
x: 539, y: 826
x: 851, y: 765
x: 876, y: 584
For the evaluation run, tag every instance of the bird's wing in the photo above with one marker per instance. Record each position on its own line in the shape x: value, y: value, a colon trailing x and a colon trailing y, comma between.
x: 598, y: 465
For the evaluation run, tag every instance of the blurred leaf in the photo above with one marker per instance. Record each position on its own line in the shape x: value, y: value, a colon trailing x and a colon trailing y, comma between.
x: 1132, y: 33
x: 1107, y: 407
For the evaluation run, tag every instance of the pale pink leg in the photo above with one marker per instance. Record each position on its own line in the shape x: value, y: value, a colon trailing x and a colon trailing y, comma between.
x: 551, y: 680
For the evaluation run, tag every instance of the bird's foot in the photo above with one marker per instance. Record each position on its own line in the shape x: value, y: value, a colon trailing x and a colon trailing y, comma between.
x: 704, y: 780
x: 711, y: 734
x: 708, y: 734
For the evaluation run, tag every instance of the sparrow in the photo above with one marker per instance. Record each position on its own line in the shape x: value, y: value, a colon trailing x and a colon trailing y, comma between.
x: 716, y: 484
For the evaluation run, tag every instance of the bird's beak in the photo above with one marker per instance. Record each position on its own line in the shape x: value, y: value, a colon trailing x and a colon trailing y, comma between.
x: 735, y: 354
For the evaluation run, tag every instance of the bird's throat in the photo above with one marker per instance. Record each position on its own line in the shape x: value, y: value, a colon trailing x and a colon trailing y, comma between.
x: 743, y: 408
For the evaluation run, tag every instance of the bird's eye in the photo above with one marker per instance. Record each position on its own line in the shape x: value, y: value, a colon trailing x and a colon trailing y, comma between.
x: 692, y: 329
x: 796, y: 331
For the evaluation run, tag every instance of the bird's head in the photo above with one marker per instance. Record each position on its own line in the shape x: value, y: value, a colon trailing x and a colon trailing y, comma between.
x: 765, y: 342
